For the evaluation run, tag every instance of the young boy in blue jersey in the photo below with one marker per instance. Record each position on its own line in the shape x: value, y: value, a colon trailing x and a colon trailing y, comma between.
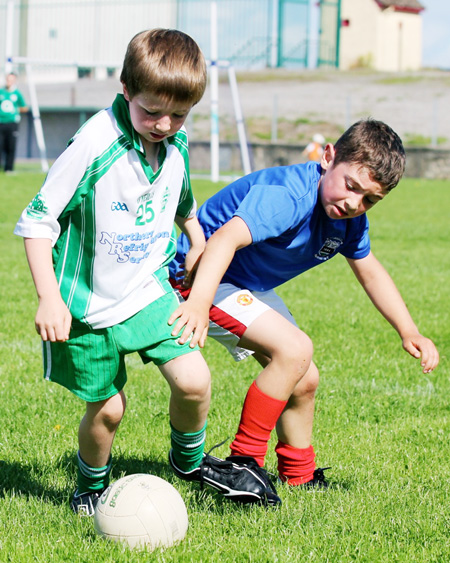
x: 98, y: 238
x: 265, y: 229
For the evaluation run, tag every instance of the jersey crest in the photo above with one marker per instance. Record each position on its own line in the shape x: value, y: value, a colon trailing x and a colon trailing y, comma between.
x: 329, y: 248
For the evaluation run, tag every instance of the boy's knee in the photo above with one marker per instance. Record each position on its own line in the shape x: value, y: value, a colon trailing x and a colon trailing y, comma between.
x: 296, y: 351
x: 189, y: 377
x: 112, y: 410
x: 194, y: 387
x: 112, y: 417
x: 307, y: 386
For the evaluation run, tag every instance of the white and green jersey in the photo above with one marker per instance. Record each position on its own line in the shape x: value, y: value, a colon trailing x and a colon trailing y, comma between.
x: 111, y: 218
x: 10, y: 103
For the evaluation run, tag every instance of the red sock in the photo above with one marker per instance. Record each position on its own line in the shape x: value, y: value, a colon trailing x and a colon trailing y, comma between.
x: 259, y: 416
x: 295, y: 465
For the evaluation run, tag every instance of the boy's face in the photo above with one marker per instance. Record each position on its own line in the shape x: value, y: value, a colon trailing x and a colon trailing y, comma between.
x: 346, y: 190
x: 154, y: 118
x: 10, y: 80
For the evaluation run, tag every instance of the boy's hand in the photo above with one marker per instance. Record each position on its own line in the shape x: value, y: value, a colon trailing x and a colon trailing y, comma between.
x: 53, y: 319
x: 421, y: 347
x: 195, y: 321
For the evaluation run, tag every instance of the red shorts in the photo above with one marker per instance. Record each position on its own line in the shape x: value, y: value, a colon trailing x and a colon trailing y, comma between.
x: 233, y: 311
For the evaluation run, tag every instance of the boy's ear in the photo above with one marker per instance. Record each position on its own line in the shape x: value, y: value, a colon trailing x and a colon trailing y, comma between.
x: 328, y: 156
x: 125, y: 92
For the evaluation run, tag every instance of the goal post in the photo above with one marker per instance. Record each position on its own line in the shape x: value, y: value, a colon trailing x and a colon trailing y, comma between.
x: 37, y: 123
x: 214, y: 65
x: 34, y: 74
x: 213, y: 71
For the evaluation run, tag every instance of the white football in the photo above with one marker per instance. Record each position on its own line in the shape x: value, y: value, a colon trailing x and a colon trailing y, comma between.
x: 141, y: 510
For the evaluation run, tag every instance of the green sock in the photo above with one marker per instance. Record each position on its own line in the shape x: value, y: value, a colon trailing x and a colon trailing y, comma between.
x: 187, y: 447
x: 92, y: 479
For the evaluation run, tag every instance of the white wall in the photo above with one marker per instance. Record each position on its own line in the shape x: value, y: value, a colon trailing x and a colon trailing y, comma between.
x: 399, y: 46
x: 359, y: 39
x: 384, y: 40
x: 87, y: 32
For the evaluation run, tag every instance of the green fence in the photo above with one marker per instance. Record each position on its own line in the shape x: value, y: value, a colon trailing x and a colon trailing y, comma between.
x: 329, y: 33
x: 251, y: 33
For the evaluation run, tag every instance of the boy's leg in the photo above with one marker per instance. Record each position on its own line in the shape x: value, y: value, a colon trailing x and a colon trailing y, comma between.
x: 98, y: 428
x: 290, y: 352
x: 233, y: 324
x: 189, y: 380
x: 294, y: 427
x: 190, y: 384
x: 95, y: 437
x: 296, y: 457
x: 10, y: 146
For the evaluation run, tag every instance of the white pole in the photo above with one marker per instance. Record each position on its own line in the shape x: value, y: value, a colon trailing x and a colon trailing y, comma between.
x: 239, y: 121
x: 214, y: 85
x: 275, y: 119
x: 434, y: 123
x: 37, y: 119
x: 274, y: 46
x: 9, y: 36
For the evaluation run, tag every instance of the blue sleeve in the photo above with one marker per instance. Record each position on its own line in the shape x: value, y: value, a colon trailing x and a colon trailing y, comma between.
x: 269, y: 211
x: 357, y: 242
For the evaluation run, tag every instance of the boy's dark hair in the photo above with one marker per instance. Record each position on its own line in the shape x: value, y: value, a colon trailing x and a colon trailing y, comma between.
x: 374, y: 146
x: 167, y: 63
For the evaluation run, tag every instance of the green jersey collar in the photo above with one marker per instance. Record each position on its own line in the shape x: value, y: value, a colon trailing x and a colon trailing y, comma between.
x: 122, y: 115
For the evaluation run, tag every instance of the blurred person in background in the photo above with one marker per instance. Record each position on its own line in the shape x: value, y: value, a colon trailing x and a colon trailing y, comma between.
x: 12, y: 105
x: 314, y: 149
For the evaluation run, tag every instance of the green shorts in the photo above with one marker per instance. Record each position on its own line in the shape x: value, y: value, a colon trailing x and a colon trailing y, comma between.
x: 91, y: 363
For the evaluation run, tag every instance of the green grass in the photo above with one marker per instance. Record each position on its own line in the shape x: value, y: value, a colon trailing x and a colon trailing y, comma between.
x: 380, y: 423
x: 416, y: 140
x: 404, y: 79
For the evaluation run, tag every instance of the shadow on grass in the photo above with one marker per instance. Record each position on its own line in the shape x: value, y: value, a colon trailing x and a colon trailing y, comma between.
x: 30, y: 480
x: 25, y: 479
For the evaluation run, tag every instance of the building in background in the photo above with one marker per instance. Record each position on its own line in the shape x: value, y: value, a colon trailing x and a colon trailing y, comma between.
x: 89, y: 37
x: 86, y: 33
x: 383, y: 35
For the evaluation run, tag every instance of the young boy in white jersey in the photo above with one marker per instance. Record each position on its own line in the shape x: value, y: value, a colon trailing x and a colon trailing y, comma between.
x: 265, y: 229
x: 98, y: 238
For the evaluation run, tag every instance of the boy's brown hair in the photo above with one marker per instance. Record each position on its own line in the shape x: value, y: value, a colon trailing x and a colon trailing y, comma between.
x: 167, y: 63
x: 373, y: 145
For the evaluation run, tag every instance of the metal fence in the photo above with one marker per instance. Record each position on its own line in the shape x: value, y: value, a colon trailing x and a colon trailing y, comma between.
x: 330, y: 26
x: 251, y: 33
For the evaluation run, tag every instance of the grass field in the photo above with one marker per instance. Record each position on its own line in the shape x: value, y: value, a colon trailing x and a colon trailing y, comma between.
x: 380, y: 423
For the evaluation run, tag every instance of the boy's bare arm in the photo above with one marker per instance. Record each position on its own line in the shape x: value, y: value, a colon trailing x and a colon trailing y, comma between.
x: 194, y: 232
x: 193, y: 315
x: 384, y: 294
x: 53, y: 318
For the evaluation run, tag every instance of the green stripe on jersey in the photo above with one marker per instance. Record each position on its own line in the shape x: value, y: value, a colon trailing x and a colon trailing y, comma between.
x: 95, y: 171
x: 74, y: 271
x: 74, y: 251
x: 186, y: 201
